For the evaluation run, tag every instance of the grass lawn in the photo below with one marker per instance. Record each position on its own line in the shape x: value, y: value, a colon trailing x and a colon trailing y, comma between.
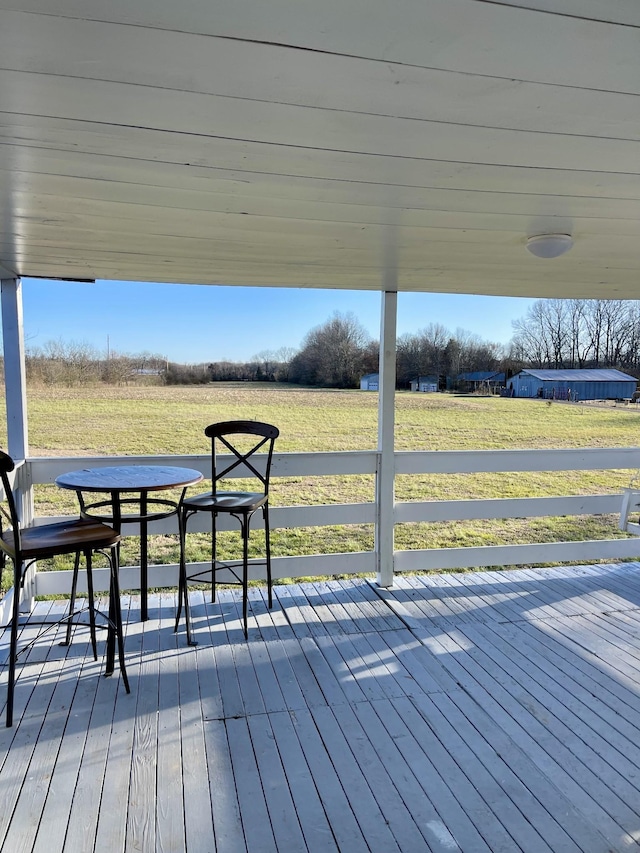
x: 130, y: 420
x: 166, y: 420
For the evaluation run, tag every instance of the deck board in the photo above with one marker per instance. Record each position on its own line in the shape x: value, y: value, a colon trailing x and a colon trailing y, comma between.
x: 82, y: 815
x: 280, y: 807
x: 304, y: 792
x: 486, y: 712
x: 574, y: 728
x: 225, y: 818
x: 143, y: 794
x: 51, y: 830
x: 48, y: 748
x: 170, y: 822
x: 249, y: 785
x: 111, y: 829
x: 527, y: 726
x: 195, y: 710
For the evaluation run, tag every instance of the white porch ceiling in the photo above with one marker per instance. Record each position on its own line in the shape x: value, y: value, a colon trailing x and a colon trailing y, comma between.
x: 341, y: 143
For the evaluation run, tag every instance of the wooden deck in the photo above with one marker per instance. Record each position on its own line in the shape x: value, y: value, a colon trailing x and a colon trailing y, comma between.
x: 494, y: 712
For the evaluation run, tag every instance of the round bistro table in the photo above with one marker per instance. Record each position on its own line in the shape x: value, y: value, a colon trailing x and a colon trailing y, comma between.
x: 129, y: 487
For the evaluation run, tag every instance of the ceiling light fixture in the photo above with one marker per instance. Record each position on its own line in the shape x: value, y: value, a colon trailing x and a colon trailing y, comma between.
x: 549, y: 245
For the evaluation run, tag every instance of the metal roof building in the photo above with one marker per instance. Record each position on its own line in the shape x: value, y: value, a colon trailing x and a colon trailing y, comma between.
x: 482, y: 377
x: 573, y: 384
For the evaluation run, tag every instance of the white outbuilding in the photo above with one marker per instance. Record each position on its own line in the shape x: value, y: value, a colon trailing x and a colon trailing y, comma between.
x: 370, y: 382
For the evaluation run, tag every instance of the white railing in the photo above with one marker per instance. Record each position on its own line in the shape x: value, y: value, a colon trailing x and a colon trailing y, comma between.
x: 45, y: 470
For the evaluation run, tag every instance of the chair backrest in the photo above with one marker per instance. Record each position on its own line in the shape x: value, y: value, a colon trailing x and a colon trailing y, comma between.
x: 8, y: 509
x: 231, y: 436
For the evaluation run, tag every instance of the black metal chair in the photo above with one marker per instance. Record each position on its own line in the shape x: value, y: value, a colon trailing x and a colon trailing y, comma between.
x: 243, y: 440
x: 23, y: 546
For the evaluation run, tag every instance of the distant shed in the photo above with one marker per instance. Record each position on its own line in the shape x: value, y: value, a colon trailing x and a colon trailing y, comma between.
x: 426, y: 384
x: 573, y: 384
x: 370, y: 382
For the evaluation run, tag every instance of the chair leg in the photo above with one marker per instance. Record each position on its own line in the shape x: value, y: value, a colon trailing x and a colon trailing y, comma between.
x: 214, y: 555
x: 111, y: 625
x: 115, y: 622
x: 13, y: 643
x: 245, y: 572
x: 90, y: 596
x: 267, y: 538
x: 72, y: 600
x: 183, y: 587
x: 92, y: 608
x: 181, y: 569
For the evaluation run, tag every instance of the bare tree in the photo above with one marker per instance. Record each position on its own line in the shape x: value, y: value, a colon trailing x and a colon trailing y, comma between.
x: 332, y: 354
x: 266, y: 365
x: 117, y: 369
x: 409, y: 360
x: 65, y: 363
x: 609, y: 325
x: 284, y: 357
x: 631, y: 357
x: 422, y: 353
x: 543, y: 332
x: 433, y: 340
x: 573, y: 333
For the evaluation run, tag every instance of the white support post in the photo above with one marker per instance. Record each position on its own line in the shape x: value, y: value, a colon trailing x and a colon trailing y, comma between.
x: 385, y: 485
x: 14, y: 368
x: 16, y: 399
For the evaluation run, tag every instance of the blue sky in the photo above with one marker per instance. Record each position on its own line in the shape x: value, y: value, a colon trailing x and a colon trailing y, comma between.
x: 192, y: 324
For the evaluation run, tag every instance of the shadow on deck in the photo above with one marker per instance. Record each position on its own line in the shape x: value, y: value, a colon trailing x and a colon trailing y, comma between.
x: 480, y: 712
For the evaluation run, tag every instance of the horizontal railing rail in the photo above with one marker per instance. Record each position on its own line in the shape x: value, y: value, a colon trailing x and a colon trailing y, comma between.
x: 348, y: 463
x: 495, y: 461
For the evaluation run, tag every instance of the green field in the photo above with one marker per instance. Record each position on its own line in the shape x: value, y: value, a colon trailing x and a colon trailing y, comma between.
x: 168, y: 420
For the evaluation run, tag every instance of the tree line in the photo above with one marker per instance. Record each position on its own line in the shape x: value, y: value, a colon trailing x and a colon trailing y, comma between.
x: 579, y: 333
x: 554, y: 333
x: 78, y: 363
